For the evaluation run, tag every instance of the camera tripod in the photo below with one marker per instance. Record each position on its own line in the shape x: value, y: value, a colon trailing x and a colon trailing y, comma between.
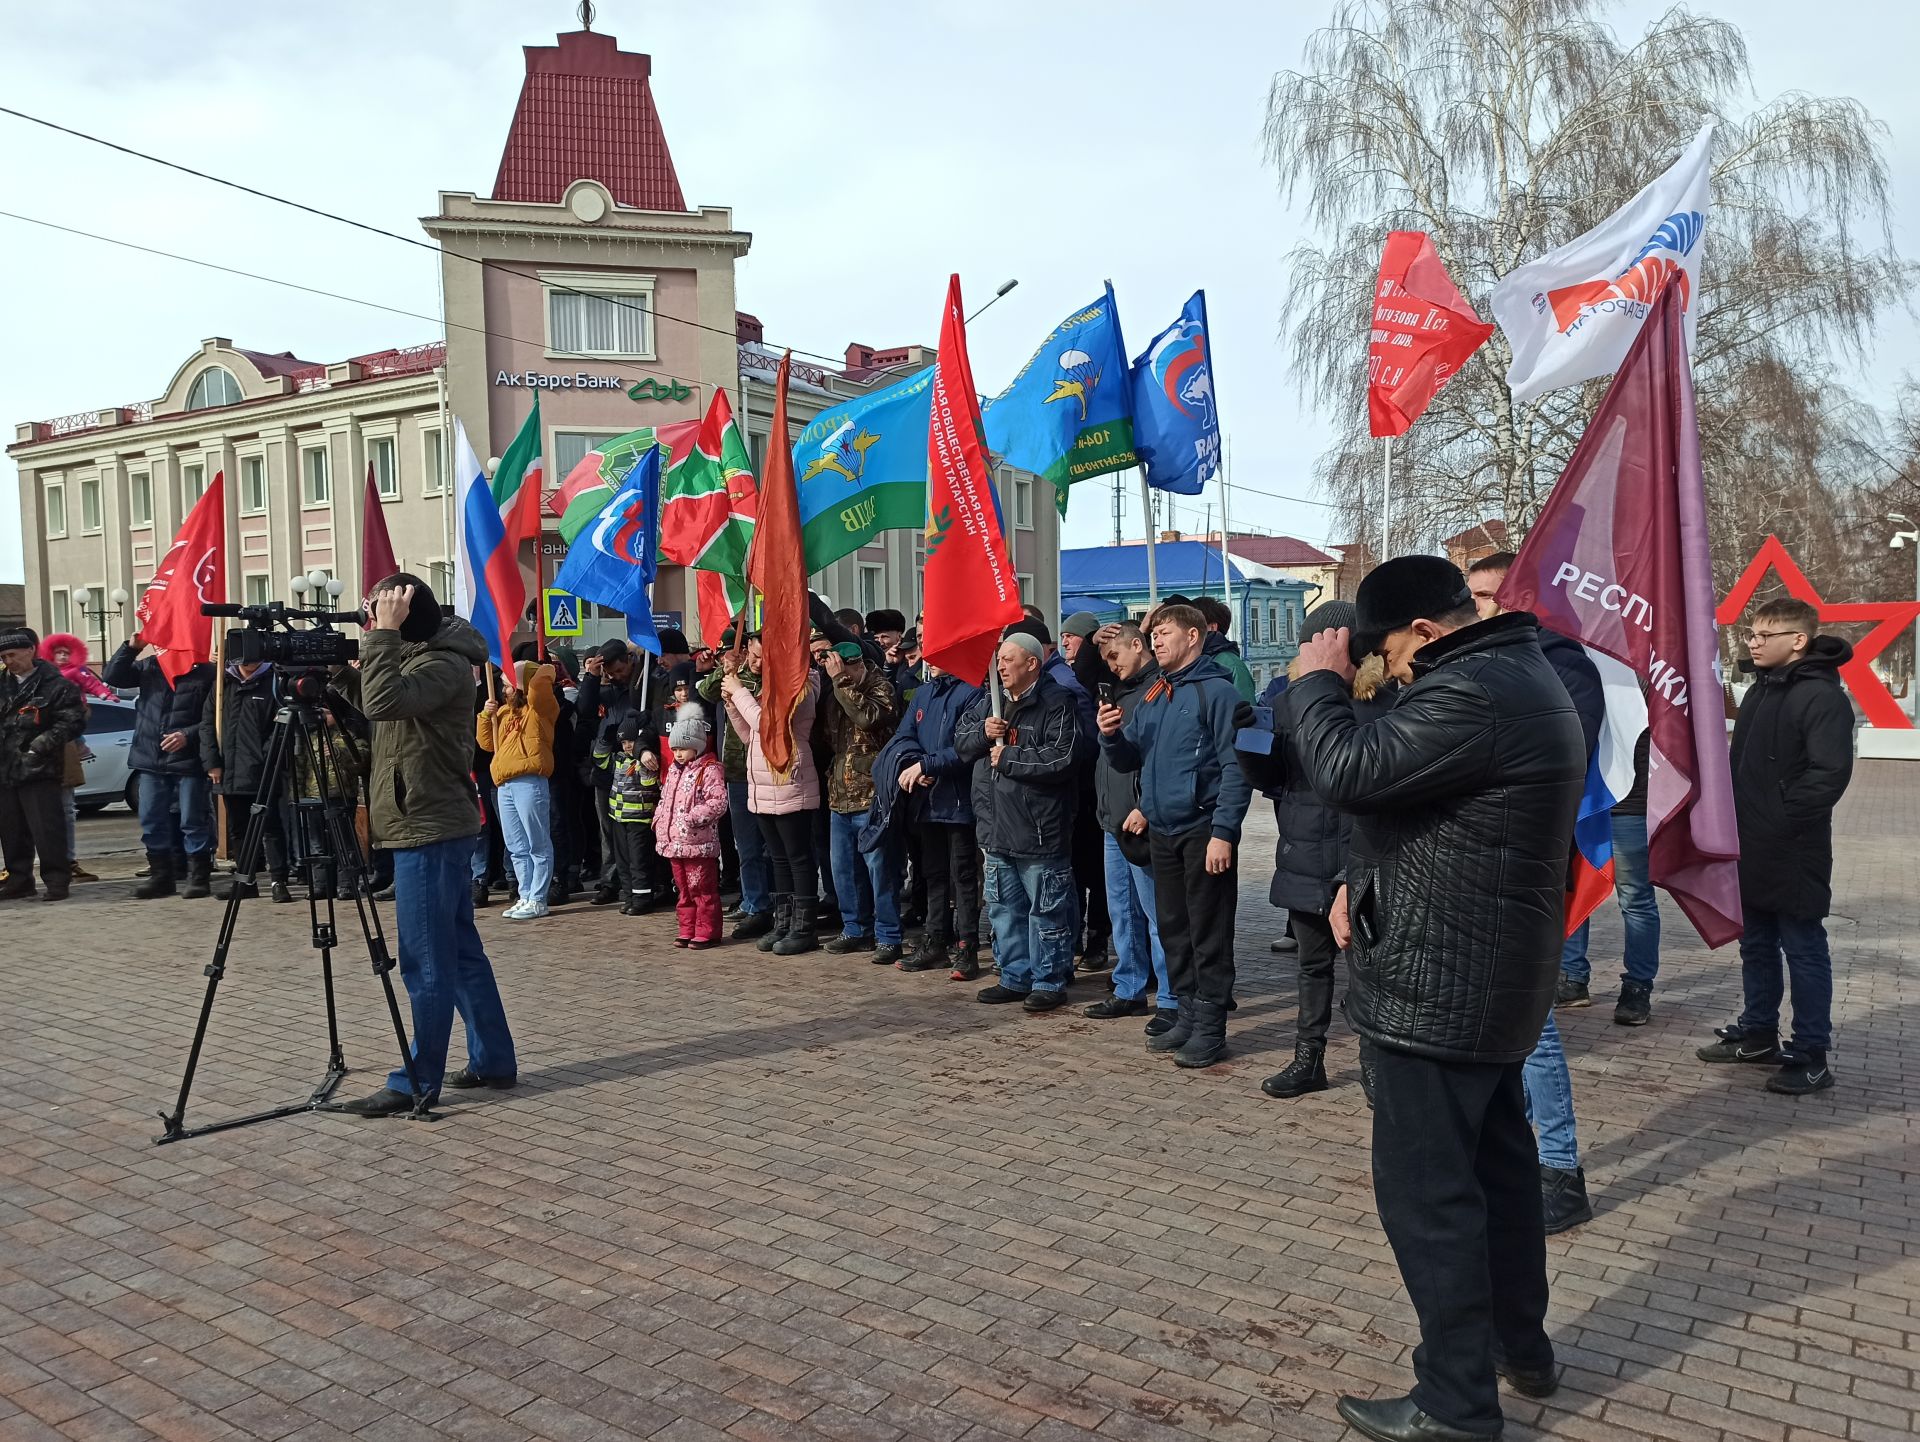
x: 303, y: 755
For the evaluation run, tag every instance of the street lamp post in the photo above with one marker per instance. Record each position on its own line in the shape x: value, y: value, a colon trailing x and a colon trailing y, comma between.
x: 117, y: 597
x: 1901, y: 540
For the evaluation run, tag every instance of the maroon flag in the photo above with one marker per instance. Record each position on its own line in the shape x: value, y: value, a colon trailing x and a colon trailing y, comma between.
x: 1619, y: 560
x: 376, y: 551
x: 1423, y: 331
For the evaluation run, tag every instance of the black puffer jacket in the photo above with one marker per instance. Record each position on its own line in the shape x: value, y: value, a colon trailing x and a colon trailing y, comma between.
x: 1023, y: 808
x: 1311, y: 856
x: 1792, y: 760
x: 40, y: 713
x: 238, y: 746
x: 1464, y: 797
x: 162, y: 708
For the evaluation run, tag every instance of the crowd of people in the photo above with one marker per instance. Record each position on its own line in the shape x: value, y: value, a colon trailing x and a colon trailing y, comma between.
x: 1078, y: 816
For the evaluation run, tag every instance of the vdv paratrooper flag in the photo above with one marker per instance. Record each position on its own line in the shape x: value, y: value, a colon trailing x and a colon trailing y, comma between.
x: 862, y: 469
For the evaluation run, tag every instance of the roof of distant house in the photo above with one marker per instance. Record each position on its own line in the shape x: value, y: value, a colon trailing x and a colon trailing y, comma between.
x: 586, y: 112
x: 282, y: 363
x: 1278, y: 550
x: 1486, y: 533
x: 1184, y: 566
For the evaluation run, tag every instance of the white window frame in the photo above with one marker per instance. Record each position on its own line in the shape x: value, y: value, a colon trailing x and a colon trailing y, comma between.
x: 265, y: 578
x: 388, y: 487
x: 1293, y: 623
x: 189, y: 496
x: 92, y: 616
x: 1022, y: 503
x: 432, y: 468
x: 58, y: 483
x: 870, y: 583
x: 1025, y: 582
x: 254, y: 458
x: 307, y: 501
x: 59, y: 600
x: 440, y: 577
x: 555, y: 473
x: 193, y: 388
x: 622, y: 287
x: 99, y: 506
x: 136, y: 482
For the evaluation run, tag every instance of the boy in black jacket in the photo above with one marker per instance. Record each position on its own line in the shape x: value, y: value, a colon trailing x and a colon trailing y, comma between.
x: 1792, y: 759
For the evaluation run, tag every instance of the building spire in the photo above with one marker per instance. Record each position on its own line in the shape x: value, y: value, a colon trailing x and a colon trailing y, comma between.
x: 586, y: 13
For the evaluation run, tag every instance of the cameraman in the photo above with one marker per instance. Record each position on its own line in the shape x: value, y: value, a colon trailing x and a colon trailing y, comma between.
x: 415, y: 683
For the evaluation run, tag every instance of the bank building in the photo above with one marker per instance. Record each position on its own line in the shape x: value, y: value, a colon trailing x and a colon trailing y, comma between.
x: 583, y: 278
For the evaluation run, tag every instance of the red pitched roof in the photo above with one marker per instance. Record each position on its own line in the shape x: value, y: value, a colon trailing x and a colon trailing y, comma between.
x: 1487, y: 533
x: 284, y: 363
x: 1278, y: 551
x: 586, y: 113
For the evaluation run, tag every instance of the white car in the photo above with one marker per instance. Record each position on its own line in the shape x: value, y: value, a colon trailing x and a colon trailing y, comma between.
x: 109, y: 738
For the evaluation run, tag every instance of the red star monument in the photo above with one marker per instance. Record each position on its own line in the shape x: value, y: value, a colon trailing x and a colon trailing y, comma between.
x: 1876, y: 702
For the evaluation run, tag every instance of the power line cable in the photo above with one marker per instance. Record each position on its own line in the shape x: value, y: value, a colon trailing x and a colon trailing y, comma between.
x: 371, y: 229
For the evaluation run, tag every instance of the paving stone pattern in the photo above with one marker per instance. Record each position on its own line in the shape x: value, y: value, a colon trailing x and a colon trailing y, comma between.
x: 758, y: 1199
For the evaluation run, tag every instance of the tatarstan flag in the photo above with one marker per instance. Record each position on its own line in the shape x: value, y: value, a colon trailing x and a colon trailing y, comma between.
x: 709, y: 507
x: 591, y: 484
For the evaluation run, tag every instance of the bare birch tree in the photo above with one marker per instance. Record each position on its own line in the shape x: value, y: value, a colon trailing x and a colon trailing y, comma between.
x: 1504, y: 128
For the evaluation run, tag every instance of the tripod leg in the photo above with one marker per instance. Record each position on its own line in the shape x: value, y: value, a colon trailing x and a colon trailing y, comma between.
x: 248, y: 858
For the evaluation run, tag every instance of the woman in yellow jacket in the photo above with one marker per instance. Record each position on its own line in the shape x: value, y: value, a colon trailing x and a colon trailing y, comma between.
x: 519, y: 733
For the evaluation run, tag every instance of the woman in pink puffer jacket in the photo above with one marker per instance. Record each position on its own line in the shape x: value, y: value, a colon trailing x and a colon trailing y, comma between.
x: 784, y: 811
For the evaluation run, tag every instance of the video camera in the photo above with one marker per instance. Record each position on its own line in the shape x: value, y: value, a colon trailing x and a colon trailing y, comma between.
x: 270, y: 635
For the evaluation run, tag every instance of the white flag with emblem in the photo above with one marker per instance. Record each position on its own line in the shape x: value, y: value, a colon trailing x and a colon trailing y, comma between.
x: 1572, y: 314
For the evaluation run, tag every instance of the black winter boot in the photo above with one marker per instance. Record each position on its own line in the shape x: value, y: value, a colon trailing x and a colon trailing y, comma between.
x: 752, y: 925
x: 802, y: 934
x: 782, y: 922
x: 1207, y: 1042
x: 1308, y: 1072
x: 1366, y: 1072
x: 1175, y: 1036
x: 159, y: 880
x: 247, y: 889
x: 199, y: 875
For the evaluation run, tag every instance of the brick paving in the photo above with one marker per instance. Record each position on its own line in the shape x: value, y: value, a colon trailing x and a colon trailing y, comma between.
x: 751, y: 1199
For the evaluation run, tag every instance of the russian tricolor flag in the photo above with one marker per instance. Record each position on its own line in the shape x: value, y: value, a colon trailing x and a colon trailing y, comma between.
x: 494, y: 518
x: 1609, y: 778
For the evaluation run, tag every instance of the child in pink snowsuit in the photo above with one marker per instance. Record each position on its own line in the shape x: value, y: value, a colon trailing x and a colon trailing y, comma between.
x: 686, y: 829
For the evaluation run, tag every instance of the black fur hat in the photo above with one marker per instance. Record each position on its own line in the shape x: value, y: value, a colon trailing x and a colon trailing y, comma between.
x: 885, y: 620
x: 1399, y: 592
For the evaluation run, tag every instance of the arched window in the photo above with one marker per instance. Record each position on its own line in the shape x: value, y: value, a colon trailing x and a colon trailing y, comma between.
x: 214, y: 386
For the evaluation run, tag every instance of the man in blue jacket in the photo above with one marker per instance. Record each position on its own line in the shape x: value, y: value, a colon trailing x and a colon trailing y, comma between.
x: 166, y: 757
x: 1180, y: 738
x: 942, y: 817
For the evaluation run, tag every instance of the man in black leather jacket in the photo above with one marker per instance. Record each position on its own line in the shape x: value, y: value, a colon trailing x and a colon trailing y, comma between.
x: 1464, y: 798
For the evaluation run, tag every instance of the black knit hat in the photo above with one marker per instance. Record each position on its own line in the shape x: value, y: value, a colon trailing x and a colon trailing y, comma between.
x: 1399, y: 592
x: 673, y: 642
x: 1330, y: 616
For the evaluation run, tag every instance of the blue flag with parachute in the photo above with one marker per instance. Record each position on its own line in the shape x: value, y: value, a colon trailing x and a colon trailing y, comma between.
x: 1176, y: 424
x: 614, y: 557
x: 1067, y: 416
x: 862, y: 469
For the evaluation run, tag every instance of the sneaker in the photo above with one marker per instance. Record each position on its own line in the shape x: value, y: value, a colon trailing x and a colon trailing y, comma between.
x: 481, y: 896
x: 841, y: 945
x: 1164, y: 1020
x: 1571, y: 993
x: 1096, y: 960
x: 998, y: 995
x: 1038, y: 1001
x: 1117, y: 1006
x: 77, y: 872
x: 516, y: 912
x: 1739, y: 1045
x: 1283, y: 945
x: 887, y: 953
x: 966, y: 966
x: 532, y: 910
x: 1802, y: 1075
x: 281, y: 893
x: 1635, y: 1005
x: 1563, y: 1198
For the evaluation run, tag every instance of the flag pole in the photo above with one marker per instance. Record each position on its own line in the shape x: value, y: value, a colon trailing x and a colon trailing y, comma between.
x: 1226, y: 529
x: 219, y: 731
x: 1146, y: 507
x: 1386, y: 498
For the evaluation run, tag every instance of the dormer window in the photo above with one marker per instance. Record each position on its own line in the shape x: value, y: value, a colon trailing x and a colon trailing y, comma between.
x: 214, y: 386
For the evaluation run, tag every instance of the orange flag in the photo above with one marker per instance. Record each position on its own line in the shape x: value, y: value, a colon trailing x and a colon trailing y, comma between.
x: 193, y: 572
x: 777, y: 566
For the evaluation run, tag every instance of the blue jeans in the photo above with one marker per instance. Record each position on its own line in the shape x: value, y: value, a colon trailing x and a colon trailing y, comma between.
x: 478, y: 864
x: 1639, y: 909
x: 1550, y: 1100
x: 445, y: 966
x: 867, y: 883
x: 1033, y: 909
x: 1809, y: 973
x: 158, y: 833
x: 526, y: 824
x: 1139, y: 957
x: 756, y: 877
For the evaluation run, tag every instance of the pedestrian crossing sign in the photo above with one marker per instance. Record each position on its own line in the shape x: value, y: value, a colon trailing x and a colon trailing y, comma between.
x: 562, y: 613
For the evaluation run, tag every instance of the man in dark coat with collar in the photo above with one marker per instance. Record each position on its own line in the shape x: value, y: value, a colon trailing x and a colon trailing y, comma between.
x: 166, y: 756
x: 1792, y: 760
x: 1464, y: 797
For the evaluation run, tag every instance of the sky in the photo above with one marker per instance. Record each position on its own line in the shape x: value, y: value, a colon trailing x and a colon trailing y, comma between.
x: 870, y: 148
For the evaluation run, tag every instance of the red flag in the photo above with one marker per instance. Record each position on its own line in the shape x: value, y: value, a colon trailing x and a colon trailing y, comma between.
x: 1619, y: 559
x: 376, y: 551
x: 193, y: 571
x: 778, y: 567
x: 971, y: 592
x: 1423, y: 331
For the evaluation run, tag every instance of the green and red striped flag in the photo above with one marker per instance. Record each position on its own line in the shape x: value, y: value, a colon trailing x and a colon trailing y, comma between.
x: 708, y: 507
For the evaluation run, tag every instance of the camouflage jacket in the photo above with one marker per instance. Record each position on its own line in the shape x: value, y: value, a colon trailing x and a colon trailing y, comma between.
x: 859, y: 721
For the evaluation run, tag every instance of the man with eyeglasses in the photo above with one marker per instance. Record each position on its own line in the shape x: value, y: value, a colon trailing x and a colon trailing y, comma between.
x: 1792, y: 759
